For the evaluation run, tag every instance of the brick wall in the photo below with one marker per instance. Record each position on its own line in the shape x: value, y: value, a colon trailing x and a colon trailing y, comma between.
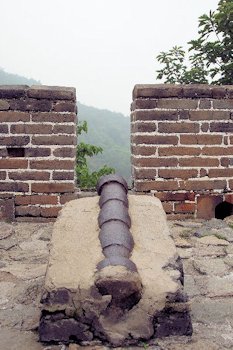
x: 182, y: 146
x: 37, y: 150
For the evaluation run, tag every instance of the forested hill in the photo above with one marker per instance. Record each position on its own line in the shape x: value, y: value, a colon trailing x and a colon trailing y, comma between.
x: 111, y: 131
x: 107, y: 129
x: 14, y: 79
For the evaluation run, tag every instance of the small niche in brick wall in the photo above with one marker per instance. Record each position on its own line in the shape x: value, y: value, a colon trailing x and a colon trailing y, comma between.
x: 15, y: 152
x: 223, y: 210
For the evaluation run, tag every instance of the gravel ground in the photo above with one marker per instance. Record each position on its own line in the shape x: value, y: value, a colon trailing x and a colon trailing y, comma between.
x: 206, y: 249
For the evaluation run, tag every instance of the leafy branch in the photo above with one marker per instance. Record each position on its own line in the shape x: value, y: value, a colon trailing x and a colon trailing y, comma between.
x: 85, y: 178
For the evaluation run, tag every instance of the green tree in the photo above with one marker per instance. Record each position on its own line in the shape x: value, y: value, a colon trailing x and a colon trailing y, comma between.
x: 210, y: 56
x: 85, y: 178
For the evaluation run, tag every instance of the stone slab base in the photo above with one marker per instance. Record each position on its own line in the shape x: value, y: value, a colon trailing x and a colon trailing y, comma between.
x: 73, y: 308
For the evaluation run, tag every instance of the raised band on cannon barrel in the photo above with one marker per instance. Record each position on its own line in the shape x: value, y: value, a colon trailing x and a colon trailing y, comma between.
x: 117, y: 244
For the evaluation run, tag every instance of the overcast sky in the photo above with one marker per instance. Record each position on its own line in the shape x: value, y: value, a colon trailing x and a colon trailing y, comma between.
x: 101, y: 47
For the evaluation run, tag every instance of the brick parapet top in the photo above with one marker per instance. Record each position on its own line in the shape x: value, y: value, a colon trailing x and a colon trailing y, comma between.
x: 38, y: 92
x: 182, y: 91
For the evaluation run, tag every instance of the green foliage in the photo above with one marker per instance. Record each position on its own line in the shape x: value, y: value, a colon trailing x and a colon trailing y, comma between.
x: 85, y: 178
x: 210, y: 57
x: 110, y: 131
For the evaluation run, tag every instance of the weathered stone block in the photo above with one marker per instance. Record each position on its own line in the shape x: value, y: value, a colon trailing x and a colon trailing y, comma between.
x: 77, y: 306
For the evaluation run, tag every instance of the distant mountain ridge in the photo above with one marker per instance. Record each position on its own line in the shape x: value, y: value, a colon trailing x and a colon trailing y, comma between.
x: 107, y: 129
x: 111, y: 131
x: 14, y: 79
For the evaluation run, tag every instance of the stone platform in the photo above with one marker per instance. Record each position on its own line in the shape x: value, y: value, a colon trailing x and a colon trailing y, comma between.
x: 74, y: 310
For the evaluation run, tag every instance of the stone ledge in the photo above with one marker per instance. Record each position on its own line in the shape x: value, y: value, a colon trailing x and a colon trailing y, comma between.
x: 73, y: 307
x: 38, y: 92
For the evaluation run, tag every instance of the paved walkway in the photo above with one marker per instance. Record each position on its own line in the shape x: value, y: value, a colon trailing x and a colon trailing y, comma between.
x: 206, y: 249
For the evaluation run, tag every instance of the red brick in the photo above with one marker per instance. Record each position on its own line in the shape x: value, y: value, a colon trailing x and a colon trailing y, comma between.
x: 54, y: 117
x: 177, y: 103
x: 205, y: 103
x: 30, y: 175
x: 143, y: 150
x: 167, y: 207
x: 10, y: 116
x: 3, y: 128
x: 178, y: 196
x: 226, y: 140
x: 154, y: 162
x: 63, y: 175
x: 64, y: 106
x: 179, y: 151
x: 145, y: 115
x: 65, y: 152
x: 217, y: 151
x: 231, y: 184
x: 231, y: 140
x: 199, y: 162
x: 157, y: 90
x: 209, y: 115
x: 203, y: 172
x: 12, y: 91
x: 3, y: 152
x: 229, y: 92
x: 31, y: 105
x: 141, y: 103
x: 54, y: 140
x: 201, y: 139
x: 7, y: 209
x: 64, y: 129
x: 52, y: 187
x: 206, y: 205
x: 185, y: 207
x: 4, y: 105
x: 221, y: 172
x: 31, y: 129
x: 2, y: 175
x: 226, y: 162
x: 223, y: 104
x: 64, y: 198
x: 177, y: 173
x: 221, y: 127
x: 36, y: 199
x: 10, y: 163
x: 178, y: 127
x: 156, y: 185
x: 219, y: 91
x: 203, y: 185
x: 197, y: 90
x: 52, y: 164
x: 154, y: 139
x: 143, y: 127
x: 205, y: 127
x: 51, y: 212
x: 229, y: 198
x: 14, y: 187
x: 14, y: 140
x: 145, y: 173
x: 51, y: 92
x: 27, y: 211
x: 37, y: 152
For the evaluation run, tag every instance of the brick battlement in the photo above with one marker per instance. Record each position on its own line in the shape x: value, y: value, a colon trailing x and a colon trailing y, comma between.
x: 37, y: 149
x: 182, y: 146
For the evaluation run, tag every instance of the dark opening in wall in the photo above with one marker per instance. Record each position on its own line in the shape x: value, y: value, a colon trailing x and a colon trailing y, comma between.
x: 223, y: 210
x: 15, y: 152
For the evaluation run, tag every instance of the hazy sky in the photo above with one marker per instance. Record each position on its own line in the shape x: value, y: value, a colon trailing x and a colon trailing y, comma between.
x: 101, y: 47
